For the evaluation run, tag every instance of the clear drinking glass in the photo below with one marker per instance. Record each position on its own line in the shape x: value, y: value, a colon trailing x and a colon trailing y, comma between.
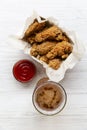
x: 49, y: 98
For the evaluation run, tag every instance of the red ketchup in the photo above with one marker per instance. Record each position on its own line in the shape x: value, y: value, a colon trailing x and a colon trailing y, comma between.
x: 24, y: 70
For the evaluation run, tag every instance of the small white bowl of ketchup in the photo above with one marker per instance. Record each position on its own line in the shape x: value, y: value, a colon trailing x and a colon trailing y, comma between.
x: 24, y: 70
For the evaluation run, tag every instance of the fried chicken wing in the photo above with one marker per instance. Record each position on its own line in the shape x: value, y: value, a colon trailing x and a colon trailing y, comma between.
x: 62, y: 37
x: 33, y: 50
x: 43, y: 48
x: 44, y: 58
x: 35, y: 27
x: 64, y: 56
x: 31, y: 39
x: 55, y: 63
x: 49, y: 33
x: 60, y: 49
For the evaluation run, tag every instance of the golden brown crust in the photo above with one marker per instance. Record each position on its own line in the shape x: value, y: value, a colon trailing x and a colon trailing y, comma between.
x: 35, y: 27
x: 55, y: 63
x: 44, y: 59
x: 62, y: 37
x: 60, y: 49
x: 44, y: 47
x: 31, y: 39
x: 64, y: 56
x: 33, y: 50
x: 49, y: 33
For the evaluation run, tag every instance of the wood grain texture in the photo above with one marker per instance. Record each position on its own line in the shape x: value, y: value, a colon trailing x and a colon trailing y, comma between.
x: 16, y: 109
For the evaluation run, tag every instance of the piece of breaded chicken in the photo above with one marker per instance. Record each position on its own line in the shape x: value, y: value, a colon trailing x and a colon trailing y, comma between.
x: 31, y: 39
x: 35, y: 27
x: 62, y: 37
x: 33, y: 50
x: 60, y: 49
x: 49, y: 33
x: 44, y: 59
x: 64, y: 56
x: 55, y: 63
x: 43, y: 48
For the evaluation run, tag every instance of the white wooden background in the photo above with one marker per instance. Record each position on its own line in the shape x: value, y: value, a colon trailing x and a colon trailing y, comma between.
x: 16, y: 109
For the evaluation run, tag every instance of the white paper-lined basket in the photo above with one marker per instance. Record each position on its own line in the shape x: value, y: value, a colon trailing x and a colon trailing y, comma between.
x: 69, y: 63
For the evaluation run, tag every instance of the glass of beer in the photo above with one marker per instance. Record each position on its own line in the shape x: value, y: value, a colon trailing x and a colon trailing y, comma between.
x: 49, y: 98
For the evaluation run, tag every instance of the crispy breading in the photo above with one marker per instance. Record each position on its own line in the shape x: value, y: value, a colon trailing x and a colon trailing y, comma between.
x: 67, y: 47
x: 35, y: 27
x: 56, y: 51
x: 49, y: 33
x: 31, y: 39
x: 62, y: 37
x: 60, y: 49
x: 64, y: 56
x: 43, y: 48
x: 33, y: 50
x: 55, y: 63
x: 44, y: 58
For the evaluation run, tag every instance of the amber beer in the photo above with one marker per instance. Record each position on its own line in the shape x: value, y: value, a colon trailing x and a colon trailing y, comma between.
x: 49, y: 97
